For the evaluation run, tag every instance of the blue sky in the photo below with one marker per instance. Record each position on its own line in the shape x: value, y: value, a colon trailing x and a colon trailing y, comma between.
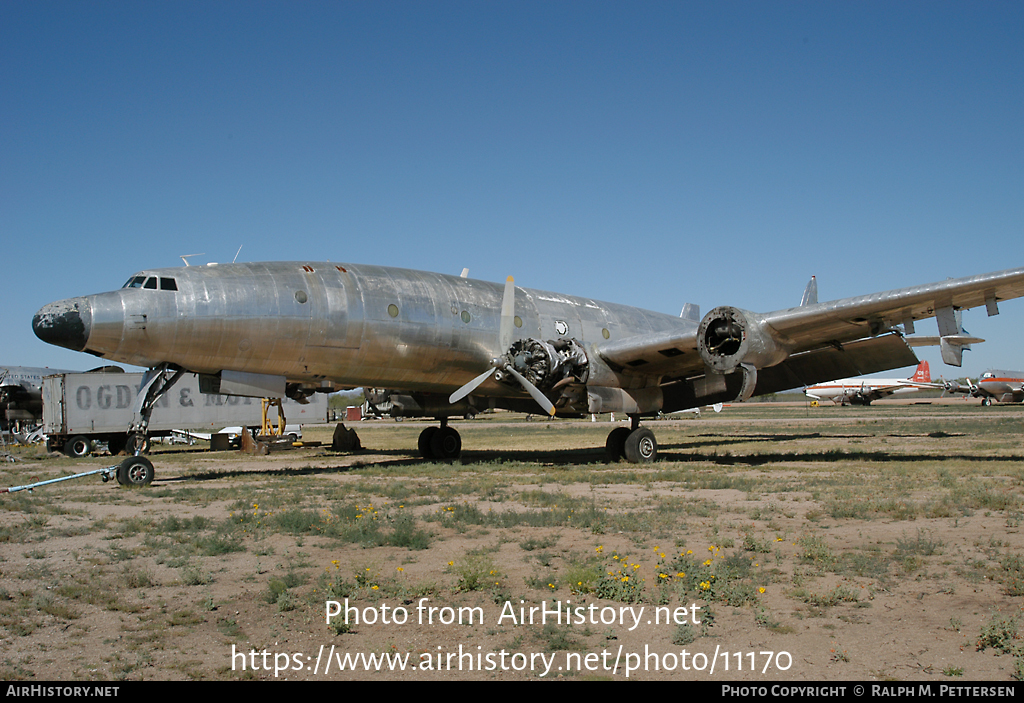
x: 647, y: 153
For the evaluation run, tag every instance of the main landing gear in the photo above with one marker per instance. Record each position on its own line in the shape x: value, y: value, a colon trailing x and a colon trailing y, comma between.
x: 440, y: 443
x: 635, y: 444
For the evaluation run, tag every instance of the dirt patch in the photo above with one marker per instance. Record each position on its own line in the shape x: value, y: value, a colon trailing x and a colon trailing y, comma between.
x: 766, y: 552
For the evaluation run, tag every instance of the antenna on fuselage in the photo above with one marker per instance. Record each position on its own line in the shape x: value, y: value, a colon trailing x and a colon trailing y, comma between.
x: 186, y: 257
x: 237, y: 253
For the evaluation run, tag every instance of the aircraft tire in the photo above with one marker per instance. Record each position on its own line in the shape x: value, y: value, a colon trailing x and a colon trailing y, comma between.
x: 446, y: 444
x: 641, y: 446
x: 78, y: 446
x: 137, y: 444
x: 135, y: 471
x: 986, y: 401
x: 424, y: 444
x: 616, y: 443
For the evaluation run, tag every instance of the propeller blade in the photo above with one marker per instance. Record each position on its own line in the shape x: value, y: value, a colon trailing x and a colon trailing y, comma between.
x: 549, y: 408
x: 508, y: 314
x: 506, y: 330
x: 469, y: 387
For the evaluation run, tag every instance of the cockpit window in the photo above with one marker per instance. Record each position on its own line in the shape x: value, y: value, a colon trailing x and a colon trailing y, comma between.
x: 151, y: 283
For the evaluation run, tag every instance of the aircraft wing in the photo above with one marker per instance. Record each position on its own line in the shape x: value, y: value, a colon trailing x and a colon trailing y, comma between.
x: 807, y: 344
x: 851, y: 318
x: 879, y: 391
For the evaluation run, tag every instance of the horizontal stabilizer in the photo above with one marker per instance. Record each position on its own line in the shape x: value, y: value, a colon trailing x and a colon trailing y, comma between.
x: 956, y: 339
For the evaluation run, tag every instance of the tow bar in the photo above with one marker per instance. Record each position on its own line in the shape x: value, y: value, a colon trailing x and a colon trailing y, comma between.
x: 133, y: 471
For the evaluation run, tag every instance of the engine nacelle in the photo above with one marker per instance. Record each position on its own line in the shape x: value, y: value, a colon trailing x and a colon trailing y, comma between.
x: 729, y: 337
x: 546, y: 364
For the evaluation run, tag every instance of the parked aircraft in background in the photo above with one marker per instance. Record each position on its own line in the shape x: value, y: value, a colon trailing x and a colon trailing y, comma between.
x: 997, y: 385
x: 862, y: 391
x: 454, y: 344
x: 21, y: 396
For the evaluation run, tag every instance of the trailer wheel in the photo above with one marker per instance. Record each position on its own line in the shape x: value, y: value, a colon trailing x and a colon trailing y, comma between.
x: 135, y: 471
x: 78, y: 446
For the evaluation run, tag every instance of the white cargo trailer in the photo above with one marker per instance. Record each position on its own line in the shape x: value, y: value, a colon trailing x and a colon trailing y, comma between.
x: 80, y: 409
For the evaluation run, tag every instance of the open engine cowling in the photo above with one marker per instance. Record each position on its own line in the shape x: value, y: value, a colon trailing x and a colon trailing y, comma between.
x: 729, y: 337
x: 546, y: 364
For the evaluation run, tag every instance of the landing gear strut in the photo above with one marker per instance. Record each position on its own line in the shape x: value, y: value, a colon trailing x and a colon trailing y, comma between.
x: 635, y: 444
x: 440, y: 443
x: 154, y: 384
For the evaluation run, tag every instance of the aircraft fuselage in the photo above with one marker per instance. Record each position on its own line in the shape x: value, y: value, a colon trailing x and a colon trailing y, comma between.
x: 352, y: 325
x: 1002, y: 385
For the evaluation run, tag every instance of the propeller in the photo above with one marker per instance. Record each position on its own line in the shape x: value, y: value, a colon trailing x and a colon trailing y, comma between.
x: 956, y: 387
x: 505, y: 332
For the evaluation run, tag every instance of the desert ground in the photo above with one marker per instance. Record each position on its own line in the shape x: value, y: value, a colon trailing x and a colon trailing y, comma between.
x: 769, y: 542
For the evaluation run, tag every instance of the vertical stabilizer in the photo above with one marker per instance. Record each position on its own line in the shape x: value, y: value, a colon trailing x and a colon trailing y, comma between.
x: 810, y: 293
x: 923, y: 374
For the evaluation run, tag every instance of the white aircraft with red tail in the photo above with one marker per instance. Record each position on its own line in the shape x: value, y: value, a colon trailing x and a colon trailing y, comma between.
x: 861, y: 391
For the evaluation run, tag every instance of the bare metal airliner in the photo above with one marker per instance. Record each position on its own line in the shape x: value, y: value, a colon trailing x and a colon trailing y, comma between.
x: 450, y: 345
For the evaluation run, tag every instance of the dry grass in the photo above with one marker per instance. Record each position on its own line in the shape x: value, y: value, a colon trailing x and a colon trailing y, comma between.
x: 878, y: 542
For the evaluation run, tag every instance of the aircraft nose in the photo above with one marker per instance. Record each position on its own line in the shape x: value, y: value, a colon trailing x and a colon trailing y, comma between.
x: 65, y: 323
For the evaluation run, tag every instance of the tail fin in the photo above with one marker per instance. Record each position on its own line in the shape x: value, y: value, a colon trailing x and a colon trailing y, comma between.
x: 810, y: 293
x: 923, y: 374
x: 691, y: 311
